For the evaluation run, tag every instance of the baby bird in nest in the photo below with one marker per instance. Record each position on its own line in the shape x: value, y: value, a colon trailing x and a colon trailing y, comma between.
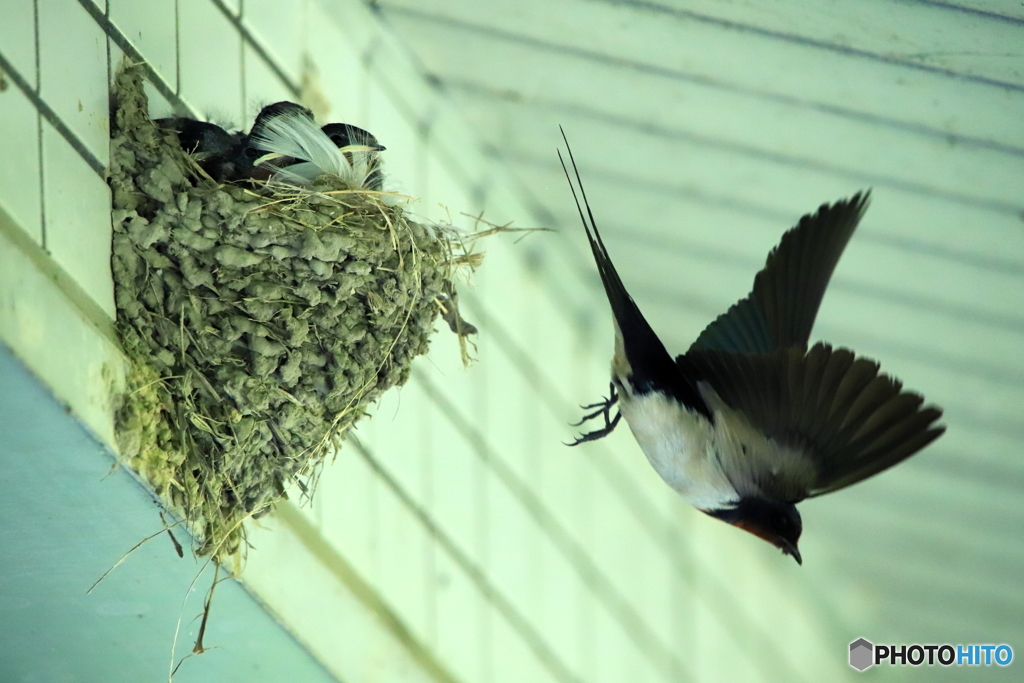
x: 284, y: 145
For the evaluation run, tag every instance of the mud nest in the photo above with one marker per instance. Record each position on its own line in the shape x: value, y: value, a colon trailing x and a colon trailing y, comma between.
x: 260, y: 321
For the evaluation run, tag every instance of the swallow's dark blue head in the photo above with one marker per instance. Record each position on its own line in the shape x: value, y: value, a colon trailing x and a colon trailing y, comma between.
x: 778, y: 523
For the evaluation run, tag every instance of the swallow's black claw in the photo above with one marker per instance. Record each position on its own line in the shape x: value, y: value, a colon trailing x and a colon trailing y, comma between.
x: 597, y: 433
x: 590, y: 416
x: 604, y: 408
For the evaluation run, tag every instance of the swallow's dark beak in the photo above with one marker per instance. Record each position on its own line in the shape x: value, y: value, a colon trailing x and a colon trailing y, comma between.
x: 772, y: 521
x: 791, y: 549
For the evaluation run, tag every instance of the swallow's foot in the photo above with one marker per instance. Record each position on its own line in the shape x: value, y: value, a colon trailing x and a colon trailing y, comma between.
x: 603, y: 409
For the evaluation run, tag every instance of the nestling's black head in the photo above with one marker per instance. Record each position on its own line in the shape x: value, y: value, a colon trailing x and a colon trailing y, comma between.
x: 200, y: 138
x: 274, y: 110
x: 350, y: 139
x: 777, y: 523
x: 345, y: 134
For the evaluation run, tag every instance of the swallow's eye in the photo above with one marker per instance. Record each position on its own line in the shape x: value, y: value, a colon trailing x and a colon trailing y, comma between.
x: 782, y: 523
x: 251, y: 152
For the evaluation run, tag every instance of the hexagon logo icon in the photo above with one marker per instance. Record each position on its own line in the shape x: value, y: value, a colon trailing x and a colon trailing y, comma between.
x: 861, y: 654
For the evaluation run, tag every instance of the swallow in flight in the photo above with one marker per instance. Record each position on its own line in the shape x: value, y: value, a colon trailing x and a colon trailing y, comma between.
x: 750, y: 421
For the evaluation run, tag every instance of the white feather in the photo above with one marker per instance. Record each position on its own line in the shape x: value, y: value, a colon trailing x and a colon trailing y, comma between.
x: 296, y: 135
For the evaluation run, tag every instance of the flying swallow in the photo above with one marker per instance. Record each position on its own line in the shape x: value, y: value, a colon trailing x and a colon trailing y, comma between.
x: 750, y: 421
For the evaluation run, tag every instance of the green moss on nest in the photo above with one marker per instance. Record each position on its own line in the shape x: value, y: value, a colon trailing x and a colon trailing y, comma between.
x: 260, y: 322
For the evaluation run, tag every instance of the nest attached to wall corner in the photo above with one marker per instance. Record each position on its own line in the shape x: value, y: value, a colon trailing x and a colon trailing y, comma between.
x: 260, y: 321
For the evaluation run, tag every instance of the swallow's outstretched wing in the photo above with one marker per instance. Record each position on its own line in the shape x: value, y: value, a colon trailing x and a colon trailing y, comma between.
x: 849, y: 420
x: 780, y: 310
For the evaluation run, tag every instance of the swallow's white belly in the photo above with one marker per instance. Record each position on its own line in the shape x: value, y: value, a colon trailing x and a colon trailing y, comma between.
x: 713, y: 466
x: 681, y: 447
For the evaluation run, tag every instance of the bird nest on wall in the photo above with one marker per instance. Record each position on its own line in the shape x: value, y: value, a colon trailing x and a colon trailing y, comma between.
x: 261, y: 317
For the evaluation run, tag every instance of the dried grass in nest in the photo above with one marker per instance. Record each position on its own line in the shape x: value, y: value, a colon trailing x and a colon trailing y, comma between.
x: 260, y: 323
